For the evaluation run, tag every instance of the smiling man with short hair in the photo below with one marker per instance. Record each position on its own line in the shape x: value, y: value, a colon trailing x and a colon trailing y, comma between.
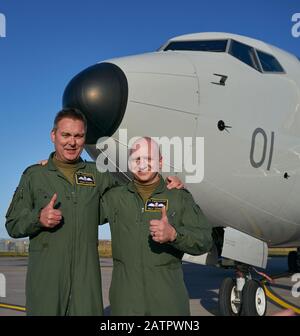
x: 151, y: 227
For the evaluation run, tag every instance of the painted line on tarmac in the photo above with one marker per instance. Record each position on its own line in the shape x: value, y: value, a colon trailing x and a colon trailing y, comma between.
x: 12, y: 307
x: 276, y: 298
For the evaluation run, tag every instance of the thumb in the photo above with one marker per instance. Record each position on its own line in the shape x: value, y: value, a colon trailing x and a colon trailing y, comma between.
x: 53, y: 200
x: 164, y: 213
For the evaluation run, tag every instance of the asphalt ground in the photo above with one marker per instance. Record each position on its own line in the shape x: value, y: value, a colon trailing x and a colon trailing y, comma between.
x: 202, y: 282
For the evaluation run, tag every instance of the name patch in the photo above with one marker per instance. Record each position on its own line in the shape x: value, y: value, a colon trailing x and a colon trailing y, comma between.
x: 155, y: 204
x: 85, y: 179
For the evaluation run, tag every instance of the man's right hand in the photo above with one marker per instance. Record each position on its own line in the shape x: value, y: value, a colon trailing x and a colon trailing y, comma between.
x: 49, y: 216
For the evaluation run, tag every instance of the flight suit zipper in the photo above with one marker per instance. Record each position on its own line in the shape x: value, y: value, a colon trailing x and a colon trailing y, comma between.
x: 73, y: 199
x: 73, y: 249
x: 140, y: 219
x: 141, y: 213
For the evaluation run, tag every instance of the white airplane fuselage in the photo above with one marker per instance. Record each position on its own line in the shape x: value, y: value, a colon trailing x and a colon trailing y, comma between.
x: 252, y: 169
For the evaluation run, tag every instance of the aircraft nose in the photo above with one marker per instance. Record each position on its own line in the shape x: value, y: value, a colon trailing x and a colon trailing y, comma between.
x: 101, y: 93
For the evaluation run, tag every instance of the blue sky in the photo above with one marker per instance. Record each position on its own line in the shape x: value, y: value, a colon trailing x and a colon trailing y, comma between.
x: 47, y: 42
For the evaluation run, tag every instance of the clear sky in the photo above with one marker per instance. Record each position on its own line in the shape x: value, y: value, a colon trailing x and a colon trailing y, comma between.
x: 48, y: 42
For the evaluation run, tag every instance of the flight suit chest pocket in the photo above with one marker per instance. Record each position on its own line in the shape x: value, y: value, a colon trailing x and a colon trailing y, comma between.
x: 116, y: 234
x: 41, y: 198
x: 173, y: 217
x: 113, y: 221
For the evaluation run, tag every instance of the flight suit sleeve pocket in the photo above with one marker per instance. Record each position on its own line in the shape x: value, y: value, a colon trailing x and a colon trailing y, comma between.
x: 18, y: 194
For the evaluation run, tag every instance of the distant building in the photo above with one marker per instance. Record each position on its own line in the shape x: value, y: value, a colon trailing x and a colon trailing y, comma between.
x: 21, y: 246
x: 2, y: 245
x: 13, y: 245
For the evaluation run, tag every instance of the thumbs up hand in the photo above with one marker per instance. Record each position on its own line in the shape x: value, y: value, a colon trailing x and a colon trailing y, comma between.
x: 49, y: 216
x: 161, y: 230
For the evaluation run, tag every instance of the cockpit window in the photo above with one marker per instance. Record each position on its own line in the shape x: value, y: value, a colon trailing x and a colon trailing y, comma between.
x: 244, y: 53
x: 256, y: 59
x: 206, y: 45
x: 269, y: 63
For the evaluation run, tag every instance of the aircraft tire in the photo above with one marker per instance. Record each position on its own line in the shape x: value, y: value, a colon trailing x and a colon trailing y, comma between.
x: 227, y: 294
x: 254, y: 302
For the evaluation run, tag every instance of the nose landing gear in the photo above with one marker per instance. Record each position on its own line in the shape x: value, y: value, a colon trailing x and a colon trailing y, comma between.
x: 242, y: 295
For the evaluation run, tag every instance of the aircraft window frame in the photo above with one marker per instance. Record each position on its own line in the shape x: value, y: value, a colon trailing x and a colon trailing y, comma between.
x: 255, y: 64
x: 228, y: 46
x: 199, y: 41
x: 273, y: 57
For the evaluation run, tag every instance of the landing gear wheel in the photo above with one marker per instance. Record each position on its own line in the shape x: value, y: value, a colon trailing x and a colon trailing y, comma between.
x: 293, y: 262
x: 254, y: 299
x: 229, y: 301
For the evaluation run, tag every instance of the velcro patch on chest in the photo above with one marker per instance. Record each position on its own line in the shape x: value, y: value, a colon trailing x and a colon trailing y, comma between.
x: 155, y: 204
x: 85, y: 179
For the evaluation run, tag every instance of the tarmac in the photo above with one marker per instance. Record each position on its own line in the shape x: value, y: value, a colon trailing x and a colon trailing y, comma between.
x: 202, y: 282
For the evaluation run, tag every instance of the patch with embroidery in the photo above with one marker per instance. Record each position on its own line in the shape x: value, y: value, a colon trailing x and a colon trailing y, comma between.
x: 85, y: 179
x: 155, y: 204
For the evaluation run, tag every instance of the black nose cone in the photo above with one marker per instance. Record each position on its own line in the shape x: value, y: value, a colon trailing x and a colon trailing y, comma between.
x: 100, y: 92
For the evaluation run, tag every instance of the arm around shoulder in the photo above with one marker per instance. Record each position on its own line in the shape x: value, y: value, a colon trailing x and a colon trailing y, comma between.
x: 105, y: 207
x: 110, y: 180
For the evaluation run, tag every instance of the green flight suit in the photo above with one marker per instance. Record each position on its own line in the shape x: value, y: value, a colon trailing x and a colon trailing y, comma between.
x: 147, y: 276
x: 63, y: 275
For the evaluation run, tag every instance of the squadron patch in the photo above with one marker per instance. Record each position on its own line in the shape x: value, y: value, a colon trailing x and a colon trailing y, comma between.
x: 155, y: 204
x: 85, y: 179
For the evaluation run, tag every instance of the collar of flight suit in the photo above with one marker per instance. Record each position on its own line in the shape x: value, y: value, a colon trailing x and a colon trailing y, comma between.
x: 51, y: 166
x: 159, y: 189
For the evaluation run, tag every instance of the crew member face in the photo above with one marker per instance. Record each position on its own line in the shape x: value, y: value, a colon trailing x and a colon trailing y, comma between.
x: 68, y: 139
x: 145, y: 161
